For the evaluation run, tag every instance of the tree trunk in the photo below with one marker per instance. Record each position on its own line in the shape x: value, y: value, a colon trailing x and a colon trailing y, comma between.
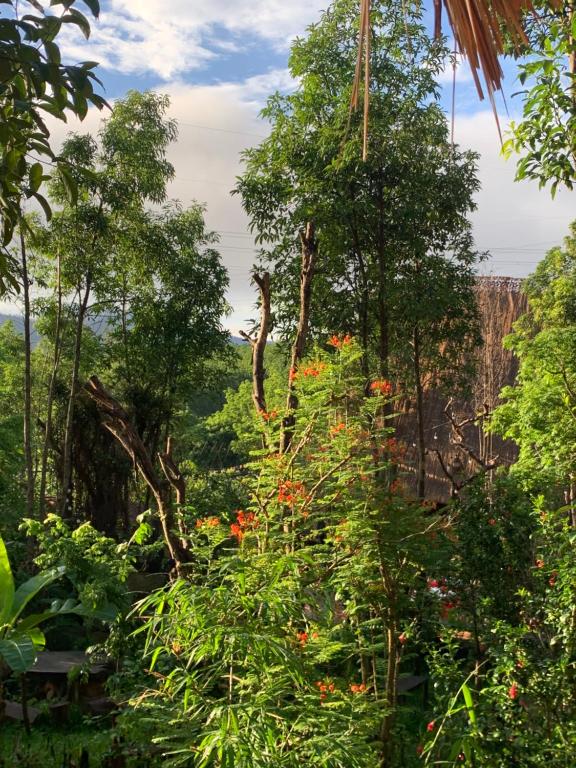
x: 421, y: 446
x: 27, y: 382
x: 68, y: 430
x: 309, y: 257
x: 50, y: 395
x: 383, y: 311
x: 259, y: 343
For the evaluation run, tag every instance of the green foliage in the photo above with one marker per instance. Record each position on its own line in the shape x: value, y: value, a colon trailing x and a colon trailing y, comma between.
x: 11, y: 455
x: 538, y: 412
x: 274, y: 649
x: 95, y: 564
x: 546, y: 134
x: 36, y: 84
x: 523, y: 693
x: 21, y: 636
x: 389, y: 228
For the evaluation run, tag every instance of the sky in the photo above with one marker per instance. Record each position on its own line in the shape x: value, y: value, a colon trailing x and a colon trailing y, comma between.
x: 220, y: 59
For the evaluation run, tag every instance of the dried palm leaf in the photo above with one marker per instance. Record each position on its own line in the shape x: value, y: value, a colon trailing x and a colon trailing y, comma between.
x: 479, y: 27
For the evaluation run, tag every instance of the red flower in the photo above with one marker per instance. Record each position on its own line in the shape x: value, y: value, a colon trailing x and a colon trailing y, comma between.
x: 402, y: 639
x: 431, y: 725
x: 381, y: 387
x: 338, y: 343
x: 433, y: 583
x: 289, y: 492
x: 513, y: 691
x: 491, y: 521
x: 419, y: 749
x: 268, y: 416
x: 236, y: 531
x: 302, y: 638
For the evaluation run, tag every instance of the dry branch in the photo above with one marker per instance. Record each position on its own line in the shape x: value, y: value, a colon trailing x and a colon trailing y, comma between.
x: 118, y: 423
x: 259, y: 343
x: 309, y: 254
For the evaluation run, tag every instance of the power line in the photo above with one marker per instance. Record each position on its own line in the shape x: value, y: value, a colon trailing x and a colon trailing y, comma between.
x: 222, y: 130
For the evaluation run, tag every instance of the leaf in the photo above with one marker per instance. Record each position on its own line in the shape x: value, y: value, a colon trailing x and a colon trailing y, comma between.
x: 35, y: 175
x: 44, y: 205
x: 19, y: 652
x: 94, y: 6
x: 33, y: 586
x: 75, y: 17
x: 69, y: 183
x: 6, y: 585
x: 469, y: 703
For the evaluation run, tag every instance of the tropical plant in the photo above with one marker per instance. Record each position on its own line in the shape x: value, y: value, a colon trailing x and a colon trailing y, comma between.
x: 36, y: 84
x: 20, y: 636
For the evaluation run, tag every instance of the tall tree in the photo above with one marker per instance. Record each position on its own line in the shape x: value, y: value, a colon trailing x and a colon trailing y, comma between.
x: 381, y: 224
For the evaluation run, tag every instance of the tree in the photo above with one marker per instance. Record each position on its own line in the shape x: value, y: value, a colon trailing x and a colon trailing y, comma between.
x: 390, y: 231
x: 113, y: 185
x: 539, y: 410
x: 36, y: 84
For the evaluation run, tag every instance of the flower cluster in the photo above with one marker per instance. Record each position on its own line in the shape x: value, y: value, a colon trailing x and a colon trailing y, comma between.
x: 338, y: 343
x: 289, y: 492
x: 244, y: 520
x: 358, y: 687
x: 302, y: 638
x: 381, y: 387
x: 325, y: 688
x: 210, y: 522
x: 313, y: 370
x: 269, y: 416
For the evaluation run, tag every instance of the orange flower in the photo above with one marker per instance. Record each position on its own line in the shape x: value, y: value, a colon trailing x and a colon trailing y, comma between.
x: 338, y: 343
x: 313, y: 370
x: 338, y: 428
x: 302, y: 638
x: 236, y: 531
x: 292, y: 374
x: 552, y: 579
x: 381, y: 387
x: 289, y: 492
x: 268, y: 416
x: 357, y: 687
x: 539, y: 563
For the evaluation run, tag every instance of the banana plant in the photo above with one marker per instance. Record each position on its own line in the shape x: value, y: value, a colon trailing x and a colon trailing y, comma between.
x: 20, y: 636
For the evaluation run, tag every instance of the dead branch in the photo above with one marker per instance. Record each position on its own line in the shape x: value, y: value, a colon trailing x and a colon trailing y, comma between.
x: 259, y: 343
x: 309, y: 257
x: 118, y: 423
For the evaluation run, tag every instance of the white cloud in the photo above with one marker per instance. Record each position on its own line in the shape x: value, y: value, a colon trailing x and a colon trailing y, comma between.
x: 170, y: 39
x: 516, y: 221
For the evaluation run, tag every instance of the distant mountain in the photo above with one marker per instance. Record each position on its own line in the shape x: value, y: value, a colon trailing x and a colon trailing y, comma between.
x: 18, y: 323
